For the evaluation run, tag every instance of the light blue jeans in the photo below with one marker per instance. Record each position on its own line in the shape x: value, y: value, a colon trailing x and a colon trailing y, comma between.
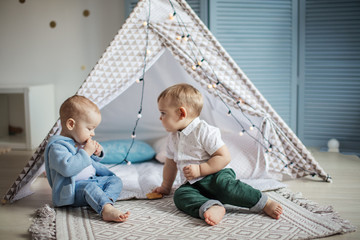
x: 97, y: 191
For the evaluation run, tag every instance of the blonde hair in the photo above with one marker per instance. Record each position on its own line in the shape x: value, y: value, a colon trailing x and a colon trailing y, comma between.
x: 76, y: 107
x: 184, y: 95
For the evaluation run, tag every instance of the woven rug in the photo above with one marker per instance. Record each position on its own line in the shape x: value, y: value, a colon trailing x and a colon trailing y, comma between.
x: 159, y: 219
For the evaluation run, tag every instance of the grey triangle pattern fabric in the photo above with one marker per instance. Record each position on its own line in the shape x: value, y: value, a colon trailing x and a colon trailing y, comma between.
x: 31, y: 168
x: 123, y: 61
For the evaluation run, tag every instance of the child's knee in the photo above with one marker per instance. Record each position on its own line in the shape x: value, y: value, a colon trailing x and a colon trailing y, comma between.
x: 113, y: 181
x: 116, y: 181
x: 178, y: 194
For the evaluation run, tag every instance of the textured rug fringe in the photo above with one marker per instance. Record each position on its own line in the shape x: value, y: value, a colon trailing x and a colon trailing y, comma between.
x: 317, y: 209
x: 43, y: 224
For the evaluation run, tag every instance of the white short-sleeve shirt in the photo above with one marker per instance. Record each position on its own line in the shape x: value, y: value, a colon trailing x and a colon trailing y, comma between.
x: 193, y: 145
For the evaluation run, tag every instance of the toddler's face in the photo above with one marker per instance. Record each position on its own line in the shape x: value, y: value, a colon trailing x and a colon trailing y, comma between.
x: 169, y: 116
x: 85, y: 127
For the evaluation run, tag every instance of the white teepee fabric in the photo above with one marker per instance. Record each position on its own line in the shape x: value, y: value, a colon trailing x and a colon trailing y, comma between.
x: 123, y: 63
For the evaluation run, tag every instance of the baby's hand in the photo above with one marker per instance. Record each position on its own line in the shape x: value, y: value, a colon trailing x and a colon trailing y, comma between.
x: 162, y: 190
x: 90, y: 146
x: 98, y: 150
x: 191, y: 171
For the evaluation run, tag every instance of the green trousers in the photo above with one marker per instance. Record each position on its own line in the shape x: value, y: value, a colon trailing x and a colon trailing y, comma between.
x: 218, y: 189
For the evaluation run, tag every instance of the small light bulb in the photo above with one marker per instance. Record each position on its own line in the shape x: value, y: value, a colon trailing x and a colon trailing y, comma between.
x: 171, y: 16
x: 148, y: 52
x: 251, y: 128
x: 270, y: 149
x: 185, y: 39
x: 193, y: 67
x: 209, y: 86
x: 145, y: 23
x: 178, y: 37
x: 241, y: 133
x: 139, y: 115
x: 137, y: 80
x: 199, y: 63
x: 128, y: 163
x: 133, y: 136
x: 214, y: 85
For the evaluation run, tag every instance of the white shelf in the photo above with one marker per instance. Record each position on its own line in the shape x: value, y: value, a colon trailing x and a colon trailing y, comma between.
x: 30, y: 108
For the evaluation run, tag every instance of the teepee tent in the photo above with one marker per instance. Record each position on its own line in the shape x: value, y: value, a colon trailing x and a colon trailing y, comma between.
x: 153, y: 47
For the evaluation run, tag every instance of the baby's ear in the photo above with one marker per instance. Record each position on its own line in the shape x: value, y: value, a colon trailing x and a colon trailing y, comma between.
x: 183, y: 112
x: 70, y: 124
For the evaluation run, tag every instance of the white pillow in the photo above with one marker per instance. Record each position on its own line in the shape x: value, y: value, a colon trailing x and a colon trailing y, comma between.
x: 160, y: 149
x: 246, y: 159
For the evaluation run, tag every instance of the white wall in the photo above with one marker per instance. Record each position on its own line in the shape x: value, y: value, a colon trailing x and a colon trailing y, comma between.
x: 33, y: 53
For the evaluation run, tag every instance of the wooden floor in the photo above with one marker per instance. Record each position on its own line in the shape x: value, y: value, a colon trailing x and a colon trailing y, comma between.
x: 343, y: 194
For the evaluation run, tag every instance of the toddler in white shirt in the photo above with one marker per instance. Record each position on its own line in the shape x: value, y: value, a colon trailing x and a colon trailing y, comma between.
x: 196, y: 149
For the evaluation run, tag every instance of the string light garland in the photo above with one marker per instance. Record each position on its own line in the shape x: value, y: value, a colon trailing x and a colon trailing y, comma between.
x: 142, y: 81
x: 215, y: 85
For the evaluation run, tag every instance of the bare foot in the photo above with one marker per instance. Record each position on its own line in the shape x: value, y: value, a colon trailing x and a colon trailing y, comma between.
x: 111, y: 214
x: 214, y: 214
x: 273, y: 209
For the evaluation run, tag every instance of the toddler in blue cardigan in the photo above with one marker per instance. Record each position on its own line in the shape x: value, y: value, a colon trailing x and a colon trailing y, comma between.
x: 73, y: 170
